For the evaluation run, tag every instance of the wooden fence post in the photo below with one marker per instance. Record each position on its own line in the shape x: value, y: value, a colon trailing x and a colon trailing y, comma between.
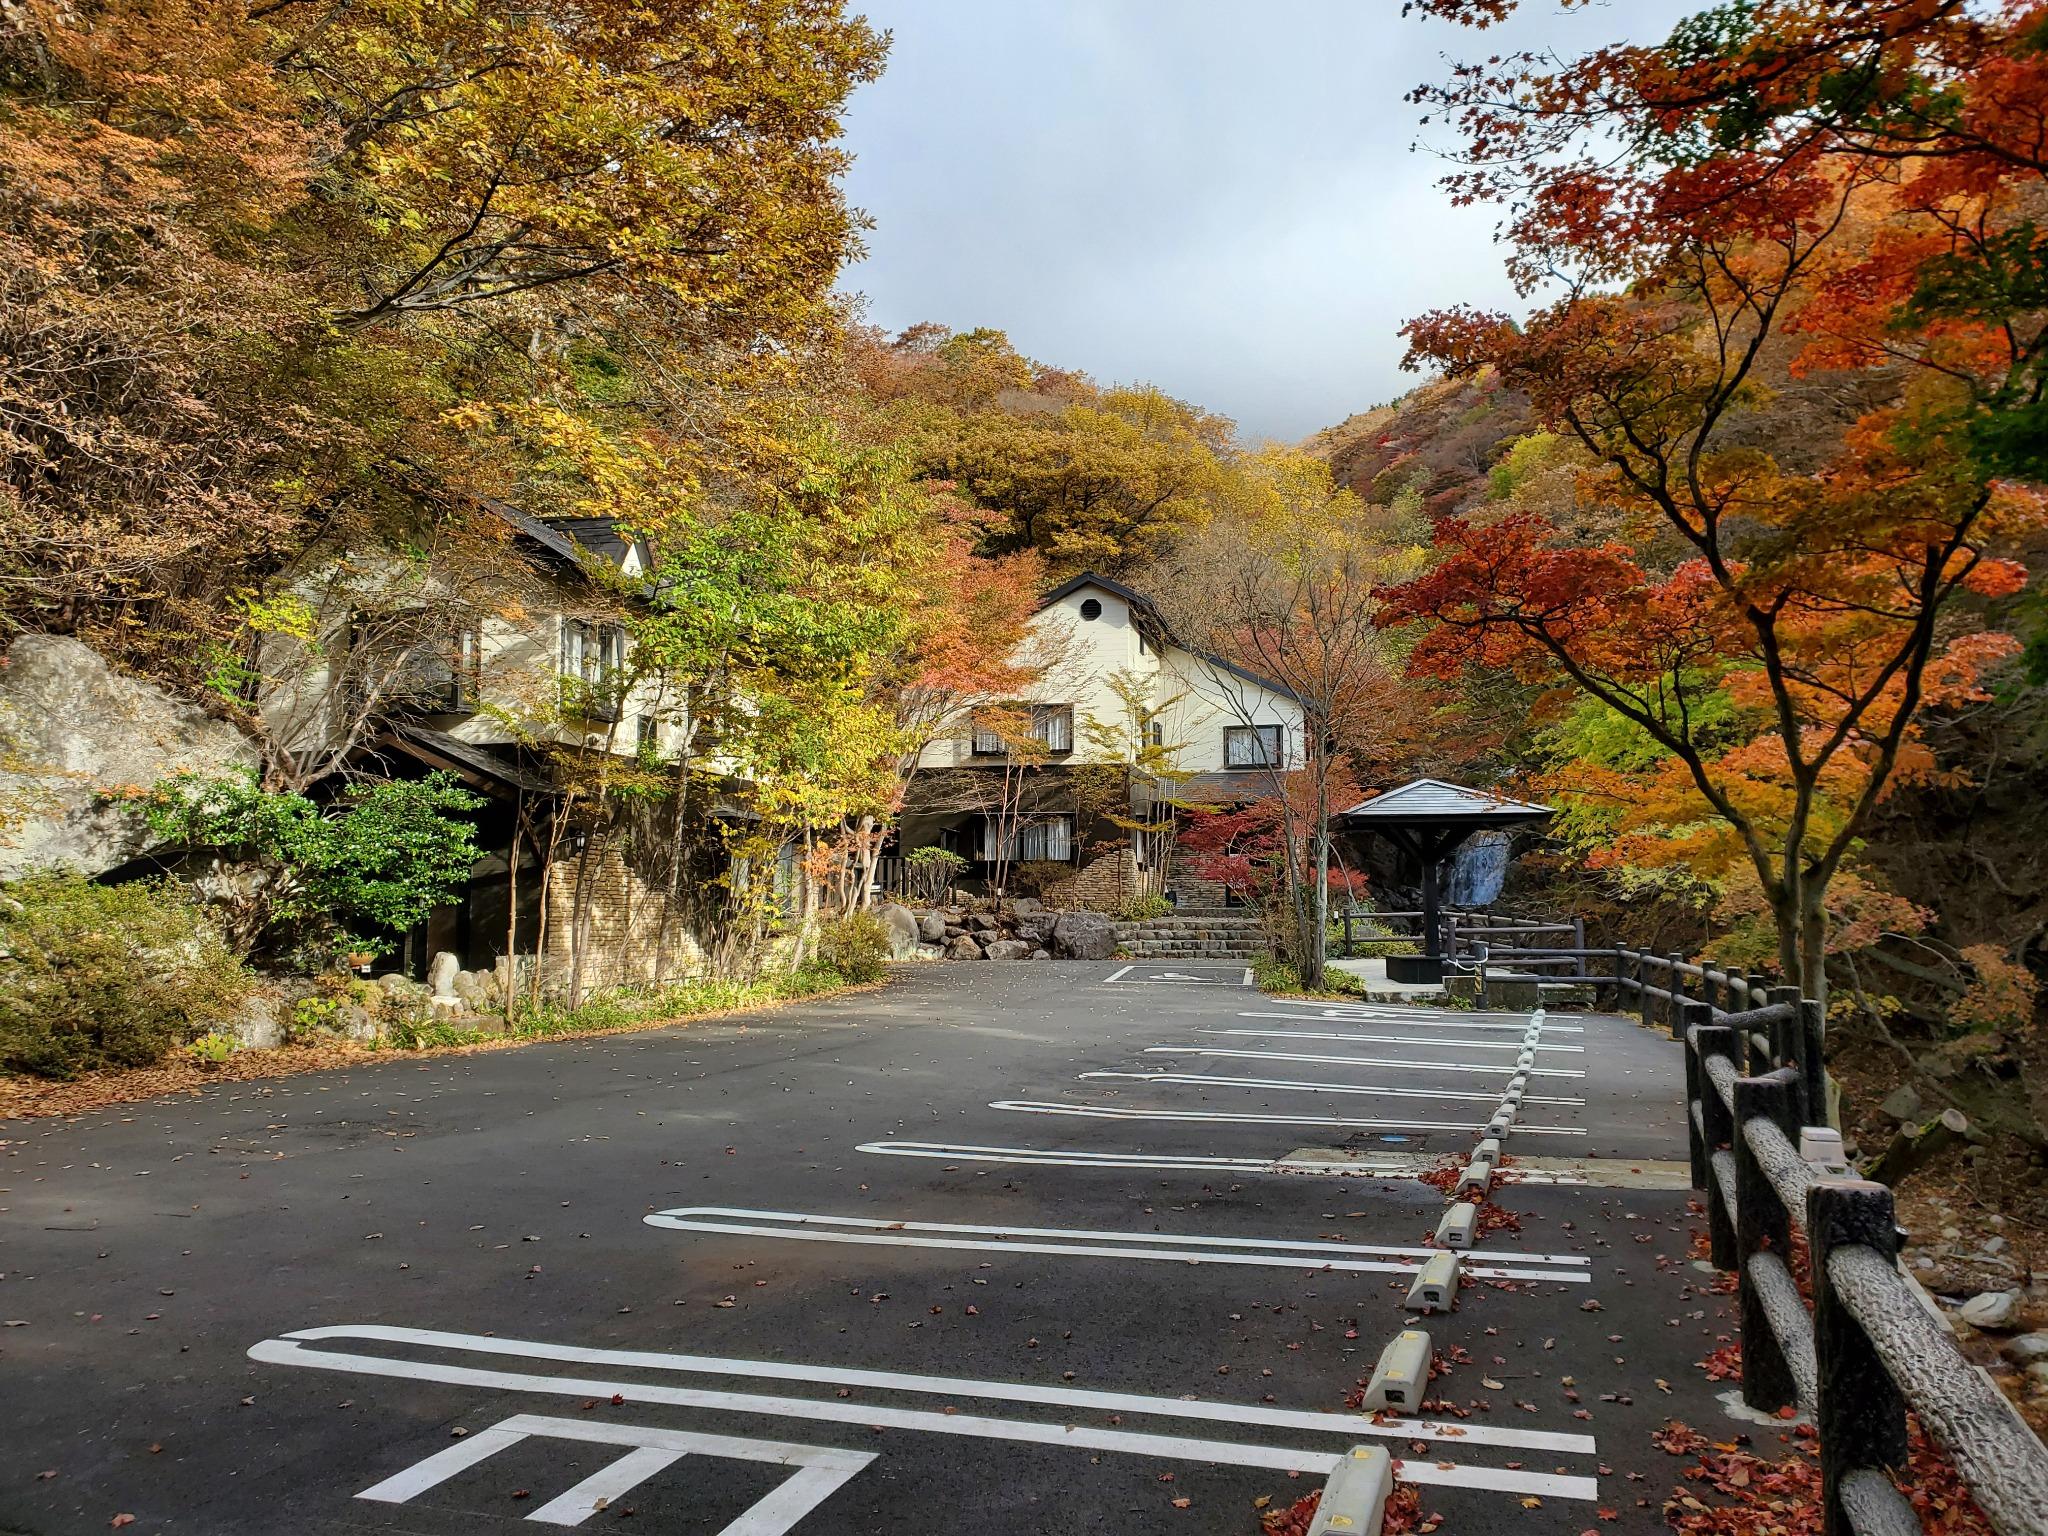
x: 1717, y: 1130
x: 1762, y: 1224
x: 1672, y: 962
x: 1643, y: 958
x: 1695, y: 1086
x: 1812, y: 1039
x: 1861, y: 1415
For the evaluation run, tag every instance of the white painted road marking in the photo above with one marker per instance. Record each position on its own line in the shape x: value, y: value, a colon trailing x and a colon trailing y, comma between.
x: 822, y: 1469
x: 1273, y: 1082
x: 1434, y: 1018
x: 1496, y: 1068
x: 291, y: 1350
x: 1397, y: 1165
x: 1463, y: 1045
x: 1175, y: 979
x: 1178, y: 1249
x: 1264, y: 1244
x: 1120, y: 975
x: 1222, y: 1117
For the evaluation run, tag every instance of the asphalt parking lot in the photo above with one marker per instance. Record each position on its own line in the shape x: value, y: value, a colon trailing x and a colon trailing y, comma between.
x: 1013, y: 1248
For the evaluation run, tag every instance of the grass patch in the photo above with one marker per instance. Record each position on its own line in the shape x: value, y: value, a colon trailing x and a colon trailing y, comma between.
x: 1282, y: 979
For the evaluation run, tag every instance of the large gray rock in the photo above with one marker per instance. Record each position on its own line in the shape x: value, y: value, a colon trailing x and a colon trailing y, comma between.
x: 963, y: 948
x: 1009, y: 949
x: 904, y: 933
x: 1084, y: 936
x: 1902, y: 1103
x: 1992, y: 1310
x: 72, y: 727
x: 931, y: 928
x: 442, y: 971
x: 2028, y: 1349
x: 257, y: 1026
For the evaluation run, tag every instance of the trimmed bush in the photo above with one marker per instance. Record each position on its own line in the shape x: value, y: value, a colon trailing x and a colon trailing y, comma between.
x: 855, y: 947
x: 107, y: 976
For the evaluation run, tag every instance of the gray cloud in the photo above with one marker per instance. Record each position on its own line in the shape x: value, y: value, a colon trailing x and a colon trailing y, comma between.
x: 1214, y: 197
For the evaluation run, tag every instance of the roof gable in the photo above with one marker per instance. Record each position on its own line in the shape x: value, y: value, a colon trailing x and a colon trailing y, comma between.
x: 1429, y: 799
x: 1150, y: 621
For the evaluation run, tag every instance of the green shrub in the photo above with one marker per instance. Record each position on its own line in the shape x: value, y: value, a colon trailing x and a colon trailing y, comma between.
x: 212, y: 1049
x: 322, y: 878
x: 1137, y: 909
x: 855, y: 947
x: 107, y: 975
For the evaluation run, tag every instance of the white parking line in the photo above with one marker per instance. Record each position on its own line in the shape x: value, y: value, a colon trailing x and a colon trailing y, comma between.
x: 1272, y: 1082
x: 1398, y: 1166
x: 1189, y: 1240
x: 1075, y: 1243
x: 1463, y: 1045
x: 1403, y: 1016
x: 1119, y: 975
x: 1103, y: 1112
x: 291, y: 1350
x: 1493, y: 1068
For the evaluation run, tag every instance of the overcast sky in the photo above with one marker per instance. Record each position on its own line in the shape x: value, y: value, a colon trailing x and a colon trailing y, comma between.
x: 1211, y: 196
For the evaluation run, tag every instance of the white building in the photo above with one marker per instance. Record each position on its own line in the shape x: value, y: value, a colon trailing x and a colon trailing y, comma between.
x: 1124, y: 723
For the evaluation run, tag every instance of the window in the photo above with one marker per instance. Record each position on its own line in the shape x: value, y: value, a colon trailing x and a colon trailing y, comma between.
x: 593, y: 665
x: 441, y: 676
x: 1155, y: 732
x: 988, y: 741
x: 1091, y: 609
x: 1040, y: 839
x: 1051, y: 724
x: 1251, y: 746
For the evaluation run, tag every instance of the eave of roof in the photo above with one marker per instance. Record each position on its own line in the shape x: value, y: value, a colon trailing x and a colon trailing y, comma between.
x: 1435, y: 801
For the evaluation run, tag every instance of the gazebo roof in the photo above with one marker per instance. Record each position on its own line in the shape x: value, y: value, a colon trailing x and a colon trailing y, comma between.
x: 1433, y: 803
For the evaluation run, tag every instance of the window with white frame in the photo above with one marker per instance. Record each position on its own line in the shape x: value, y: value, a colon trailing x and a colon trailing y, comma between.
x: 1251, y: 746
x: 593, y: 661
x: 1034, y: 839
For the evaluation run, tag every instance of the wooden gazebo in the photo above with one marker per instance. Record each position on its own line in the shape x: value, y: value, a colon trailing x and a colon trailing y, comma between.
x: 1427, y: 820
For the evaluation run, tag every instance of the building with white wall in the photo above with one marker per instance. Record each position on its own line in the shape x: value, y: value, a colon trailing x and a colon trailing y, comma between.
x: 1123, y: 729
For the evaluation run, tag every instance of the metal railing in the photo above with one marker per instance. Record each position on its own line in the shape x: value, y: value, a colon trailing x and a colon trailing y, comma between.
x: 1873, y: 1346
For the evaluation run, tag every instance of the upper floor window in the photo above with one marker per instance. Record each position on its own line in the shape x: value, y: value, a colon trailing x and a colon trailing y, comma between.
x: 593, y: 665
x: 1050, y: 725
x: 442, y: 675
x: 1251, y: 746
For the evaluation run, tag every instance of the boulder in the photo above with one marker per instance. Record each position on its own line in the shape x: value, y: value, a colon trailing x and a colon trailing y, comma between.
x: 904, y: 934
x: 1025, y: 906
x: 2027, y: 1349
x: 931, y: 951
x: 963, y: 948
x: 400, y: 987
x: 1009, y: 949
x: 1037, y: 926
x: 70, y: 728
x: 257, y: 1026
x: 1902, y: 1103
x: 1994, y: 1310
x: 441, y: 973
x: 981, y: 922
x: 931, y: 928
x: 1084, y: 936
x: 353, y: 1020
x: 1041, y: 954
x: 474, y: 988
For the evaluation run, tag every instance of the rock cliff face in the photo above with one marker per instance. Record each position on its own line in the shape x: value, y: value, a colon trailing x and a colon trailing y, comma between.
x: 71, y: 727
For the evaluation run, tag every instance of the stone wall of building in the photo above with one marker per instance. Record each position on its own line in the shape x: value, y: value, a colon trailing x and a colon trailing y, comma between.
x: 1103, y: 884
x: 632, y: 934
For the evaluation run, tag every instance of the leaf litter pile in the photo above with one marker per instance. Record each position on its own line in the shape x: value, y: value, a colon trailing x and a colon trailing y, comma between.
x: 1404, y: 1515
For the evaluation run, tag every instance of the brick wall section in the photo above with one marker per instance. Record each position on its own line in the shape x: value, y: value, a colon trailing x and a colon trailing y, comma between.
x: 1101, y: 885
x: 633, y: 938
